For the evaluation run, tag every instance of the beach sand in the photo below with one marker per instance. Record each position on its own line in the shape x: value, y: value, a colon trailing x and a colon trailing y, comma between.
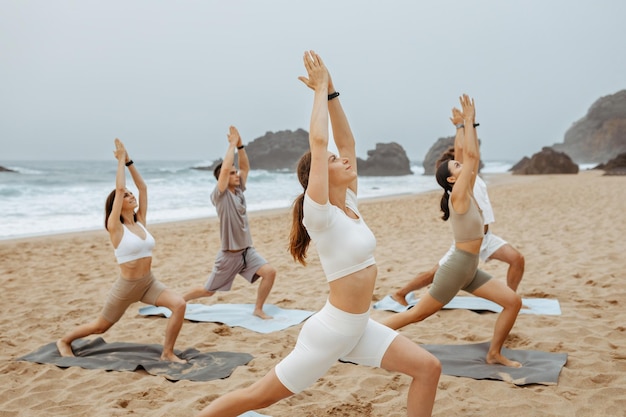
x: 569, y: 227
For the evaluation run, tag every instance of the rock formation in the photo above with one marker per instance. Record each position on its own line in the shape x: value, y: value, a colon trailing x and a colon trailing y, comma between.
x: 388, y: 159
x: 548, y: 161
x: 281, y: 151
x: 434, y: 153
x: 278, y: 151
x: 616, y: 166
x: 601, y: 134
x: 3, y: 169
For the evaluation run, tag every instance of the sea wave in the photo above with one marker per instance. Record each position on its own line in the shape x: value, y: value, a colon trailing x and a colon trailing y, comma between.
x: 50, y: 197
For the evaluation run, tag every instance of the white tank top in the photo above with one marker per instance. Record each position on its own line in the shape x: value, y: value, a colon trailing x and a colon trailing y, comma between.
x: 344, y: 245
x: 133, y: 247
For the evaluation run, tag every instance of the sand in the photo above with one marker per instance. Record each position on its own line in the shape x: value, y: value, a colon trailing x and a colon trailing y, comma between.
x: 570, y: 229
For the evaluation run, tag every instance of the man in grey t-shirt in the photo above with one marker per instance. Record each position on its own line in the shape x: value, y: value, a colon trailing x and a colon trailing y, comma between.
x: 237, y: 255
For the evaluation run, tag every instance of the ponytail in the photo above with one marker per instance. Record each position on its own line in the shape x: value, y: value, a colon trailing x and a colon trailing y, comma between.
x: 445, y: 198
x: 299, y: 238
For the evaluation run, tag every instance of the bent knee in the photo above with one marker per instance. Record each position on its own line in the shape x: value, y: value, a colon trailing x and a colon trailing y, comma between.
x: 514, y: 302
x: 432, y: 366
x: 515, y: 258
x: 270, y: 273
x: 428, y: 368
x: 178, y: 304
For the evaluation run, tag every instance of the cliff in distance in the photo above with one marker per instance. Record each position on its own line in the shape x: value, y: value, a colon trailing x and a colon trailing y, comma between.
x: 601, y: 134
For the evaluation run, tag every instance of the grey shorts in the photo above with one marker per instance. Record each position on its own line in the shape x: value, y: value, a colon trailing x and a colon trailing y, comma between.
x: 228, y: 264
x: 126, y: 291
x: 459, y: 272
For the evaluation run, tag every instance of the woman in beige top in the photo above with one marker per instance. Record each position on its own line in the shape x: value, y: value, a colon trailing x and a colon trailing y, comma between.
x: 460, y: 271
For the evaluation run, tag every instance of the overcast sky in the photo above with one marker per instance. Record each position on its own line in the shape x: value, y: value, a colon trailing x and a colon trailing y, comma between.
x: 169, y: 77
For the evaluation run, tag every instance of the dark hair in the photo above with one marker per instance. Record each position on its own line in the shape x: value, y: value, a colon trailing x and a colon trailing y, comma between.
x: 216, y: 171
x: 442, y: 174
x: 299, y: 238
x: 108, y: 208
x: 446, y: 156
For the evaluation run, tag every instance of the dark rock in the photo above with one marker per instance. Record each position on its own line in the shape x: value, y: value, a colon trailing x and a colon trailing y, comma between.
x: 3, y: 169
x: 278, y: 151
x: 388, y: 159
x: 548, y: 161
x: 616, y: 166
x: 281, y: 151
x: 600, y: 134
x: 273, y: 151
x: 435, y: 152
x: 521, y: 165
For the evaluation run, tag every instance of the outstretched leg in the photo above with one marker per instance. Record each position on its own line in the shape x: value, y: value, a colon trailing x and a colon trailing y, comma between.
x: 268, y: 275
x: 422, y: 280
x: 263, y: 393
x: 405, y: 356
x: 425, y: 307
x: 177, y: 305
x: 97, y: 326
x: 197, y: 292
x: 511, y: 304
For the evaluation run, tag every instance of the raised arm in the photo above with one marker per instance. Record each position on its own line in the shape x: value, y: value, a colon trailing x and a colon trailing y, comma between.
x: 114, y: 224
x: 457, y: 120
x: 471, y: 150
x: 229, y: 159
x: 317, y: 80
x: 463, y: 188
x: 244, y: 163
x: 342, y: 134
x: 142, y: 210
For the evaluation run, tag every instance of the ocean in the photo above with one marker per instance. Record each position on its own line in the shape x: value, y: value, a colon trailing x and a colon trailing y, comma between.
x: 51, y: 197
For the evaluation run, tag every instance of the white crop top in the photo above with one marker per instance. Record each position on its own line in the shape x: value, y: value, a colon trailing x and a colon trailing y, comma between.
x: 344, y: 245
x: 133, y: 247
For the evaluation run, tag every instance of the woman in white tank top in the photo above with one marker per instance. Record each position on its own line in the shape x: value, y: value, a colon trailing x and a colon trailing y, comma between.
x: 125, y: 220
x: 342, y: 329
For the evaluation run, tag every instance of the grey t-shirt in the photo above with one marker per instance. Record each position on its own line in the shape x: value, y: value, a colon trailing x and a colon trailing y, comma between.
x: 231, y: 210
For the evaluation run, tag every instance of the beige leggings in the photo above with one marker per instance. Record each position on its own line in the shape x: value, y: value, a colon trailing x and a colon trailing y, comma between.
x: 126, y: 291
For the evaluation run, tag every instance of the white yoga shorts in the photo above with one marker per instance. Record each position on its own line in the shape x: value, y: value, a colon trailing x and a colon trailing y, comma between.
x: 327, y: 336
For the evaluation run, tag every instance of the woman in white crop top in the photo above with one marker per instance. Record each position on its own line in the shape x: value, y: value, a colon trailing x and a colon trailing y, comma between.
x: 460, y: 270
x: 327, y: 214
x: 125, y: 220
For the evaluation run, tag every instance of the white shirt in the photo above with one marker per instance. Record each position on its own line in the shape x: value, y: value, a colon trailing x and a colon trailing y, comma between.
x: 482, y: 198
x: 344, y: 245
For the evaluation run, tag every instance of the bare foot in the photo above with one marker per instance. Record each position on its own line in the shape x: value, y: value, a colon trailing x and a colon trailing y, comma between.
x: 499, y: 359
x: 399, y: 299
x: 170, y: 357
x: 65, y: 349
x: 261, y: 314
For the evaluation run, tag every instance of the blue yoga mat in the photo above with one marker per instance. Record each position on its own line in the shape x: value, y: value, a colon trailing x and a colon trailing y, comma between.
x: 237, y: 315
x: 544, y: 306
